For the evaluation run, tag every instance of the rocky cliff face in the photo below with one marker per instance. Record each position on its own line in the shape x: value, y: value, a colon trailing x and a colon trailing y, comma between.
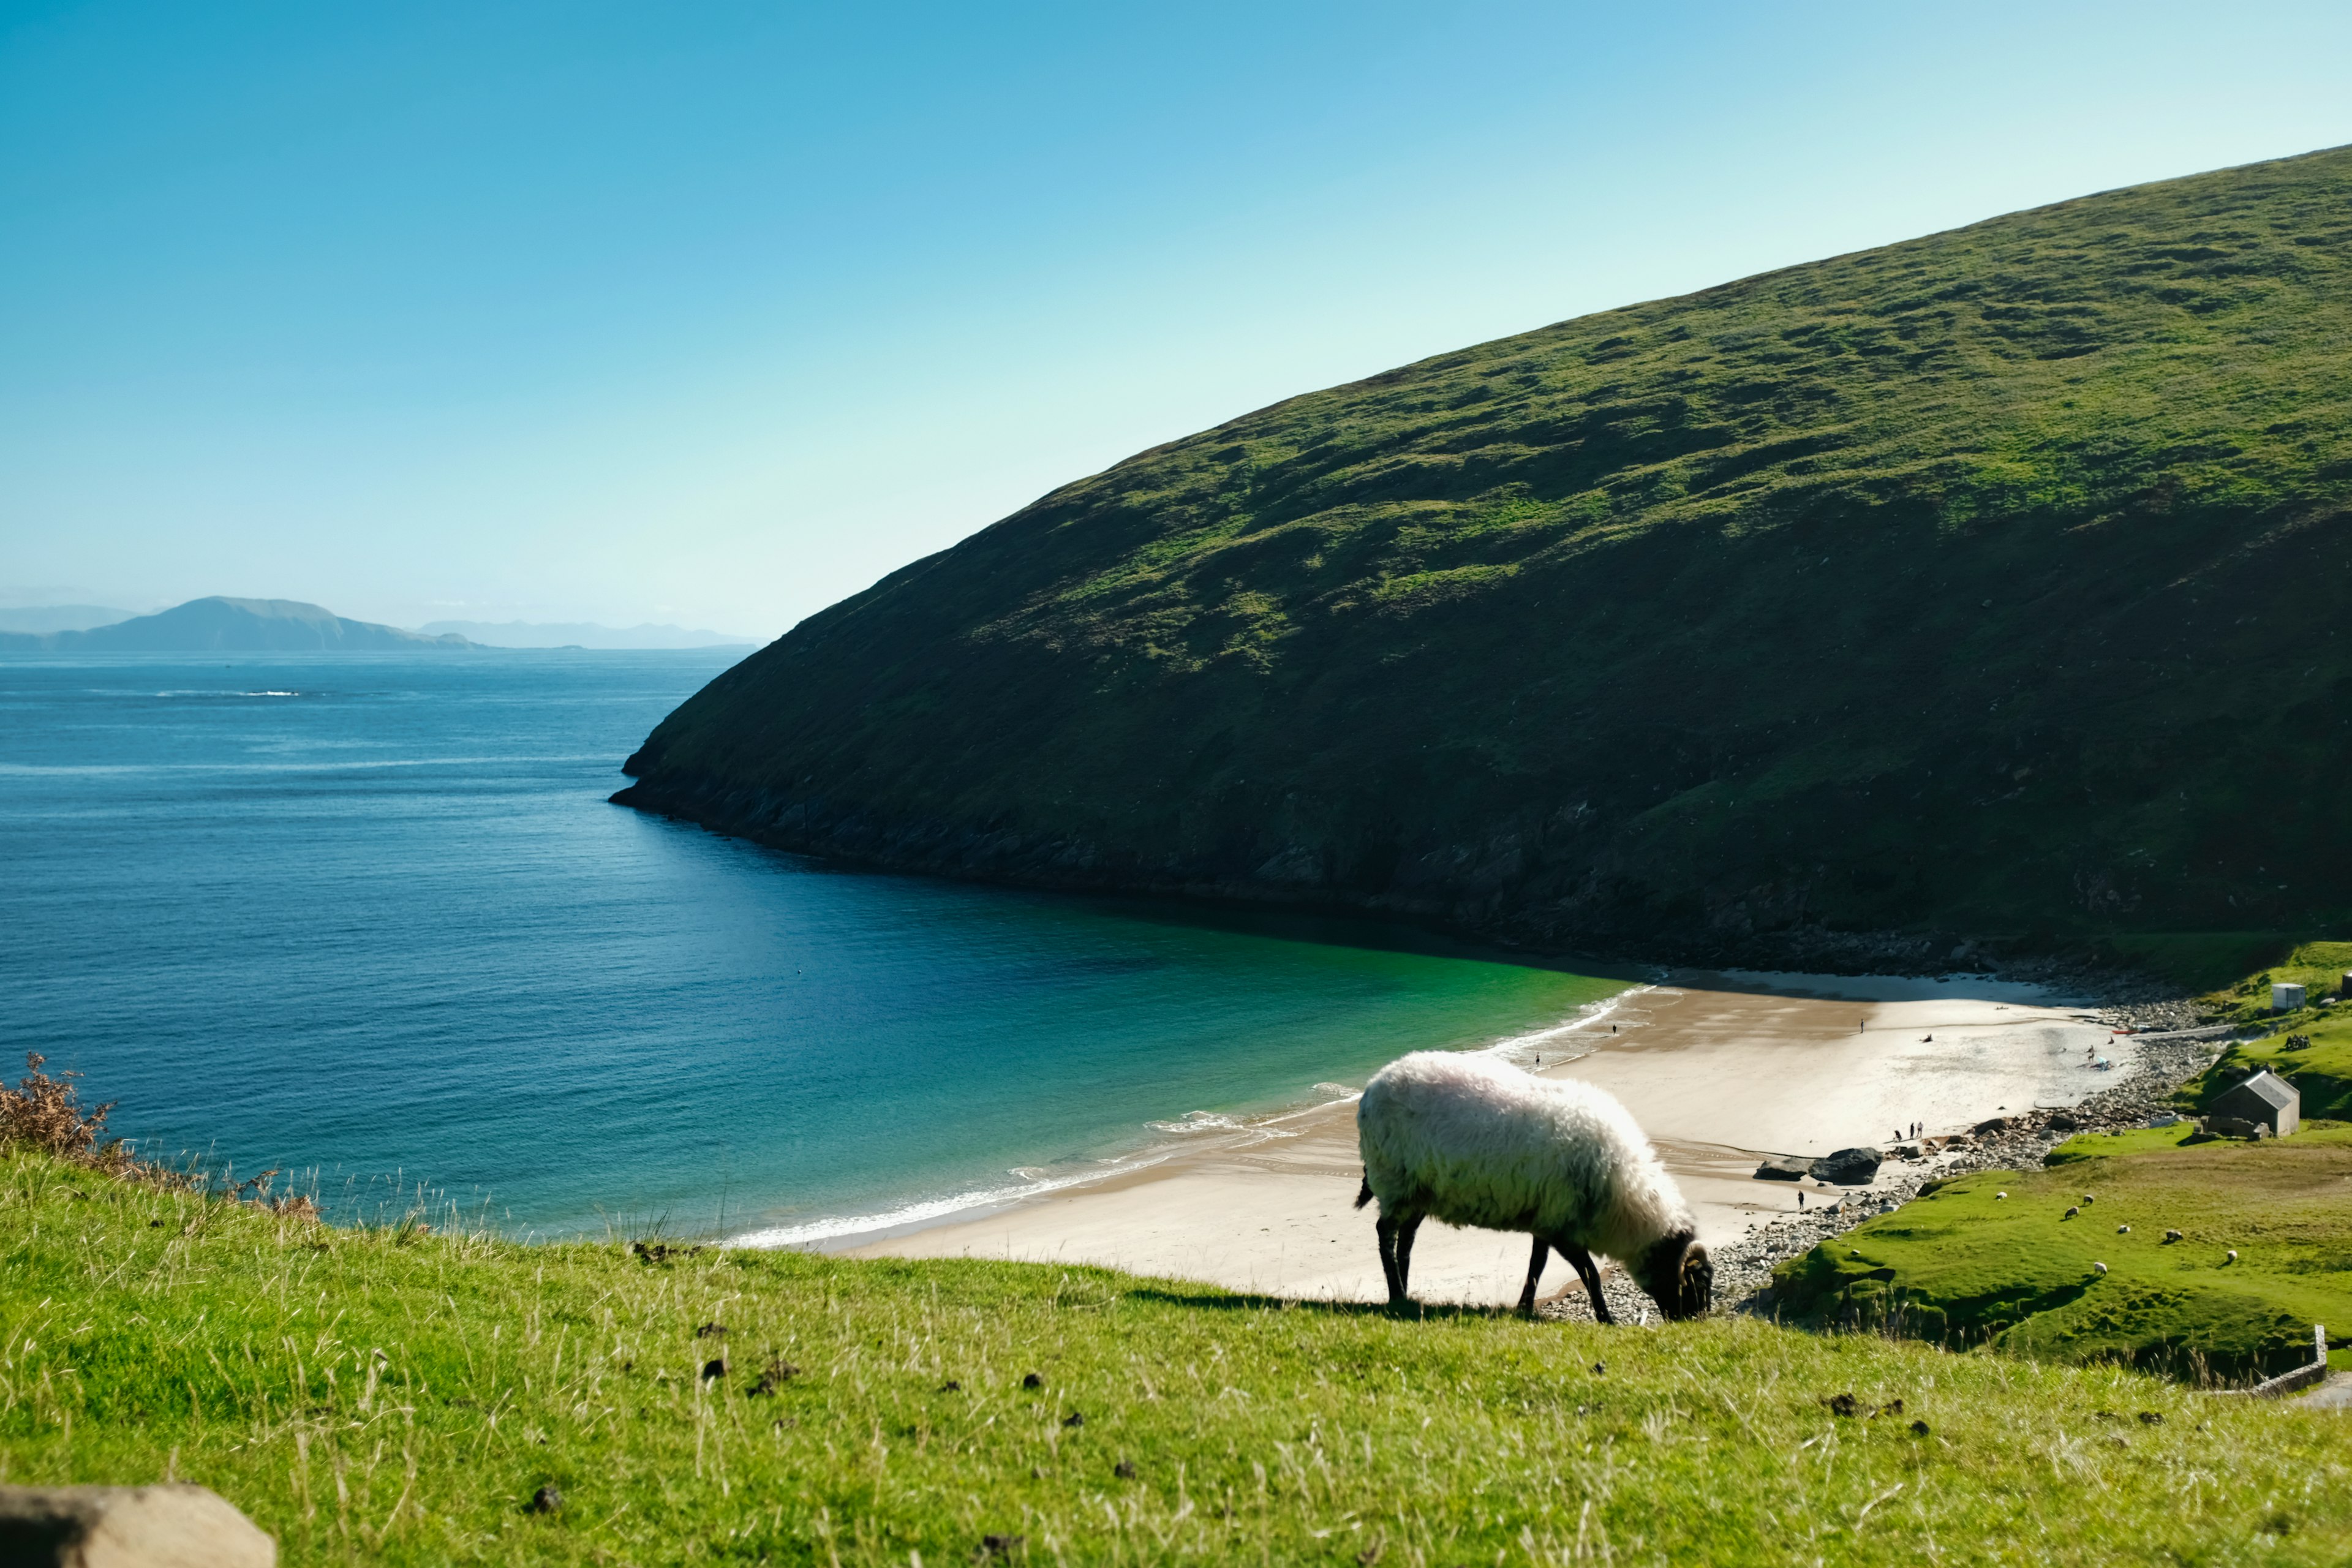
x: 1981, y: 585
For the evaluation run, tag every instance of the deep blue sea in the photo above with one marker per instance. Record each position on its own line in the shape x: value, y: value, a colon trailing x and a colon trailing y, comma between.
x: 370, y: 920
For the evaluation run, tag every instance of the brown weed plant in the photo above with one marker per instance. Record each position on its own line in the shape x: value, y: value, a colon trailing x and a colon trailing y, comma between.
x: 45, y: 1113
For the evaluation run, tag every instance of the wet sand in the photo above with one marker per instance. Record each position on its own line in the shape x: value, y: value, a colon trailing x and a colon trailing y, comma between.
x: 1717, y: 1069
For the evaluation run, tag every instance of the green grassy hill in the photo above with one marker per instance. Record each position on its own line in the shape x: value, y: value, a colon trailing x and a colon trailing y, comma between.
x: 393, y: 1396
x: 1988, y: 584
x: 1993, y: 1258
x: 2321, y: 1068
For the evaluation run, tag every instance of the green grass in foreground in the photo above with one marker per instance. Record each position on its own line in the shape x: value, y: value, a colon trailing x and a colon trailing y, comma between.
x: 388, y: 1396
x: 1967, y: 1267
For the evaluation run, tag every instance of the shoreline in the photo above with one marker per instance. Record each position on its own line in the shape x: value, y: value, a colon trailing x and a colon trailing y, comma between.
x: 1721, y: 1069
x: 1175, y: 1138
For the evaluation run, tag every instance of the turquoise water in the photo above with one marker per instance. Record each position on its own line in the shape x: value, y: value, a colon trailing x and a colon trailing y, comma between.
x: 371, y: 918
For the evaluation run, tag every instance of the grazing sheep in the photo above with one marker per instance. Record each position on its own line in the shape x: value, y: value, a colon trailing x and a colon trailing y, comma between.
x: 2171, y: 1235
x: 2123, y: 1230
x: 2071, y: 1212
x: 2100, y: 1266
x: 1475, y: 1142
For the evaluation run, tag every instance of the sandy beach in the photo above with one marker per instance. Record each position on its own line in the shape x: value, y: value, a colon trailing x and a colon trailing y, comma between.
x: 1720, y: 1069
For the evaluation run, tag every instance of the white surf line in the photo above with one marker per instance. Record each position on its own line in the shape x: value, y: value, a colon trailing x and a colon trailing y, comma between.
x: 1591, y: 1015
x: 917, y: 1214
x: 1238, y: 1135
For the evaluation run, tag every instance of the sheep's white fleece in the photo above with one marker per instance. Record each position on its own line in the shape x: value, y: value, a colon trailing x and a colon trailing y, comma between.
x: 1473, y: 1141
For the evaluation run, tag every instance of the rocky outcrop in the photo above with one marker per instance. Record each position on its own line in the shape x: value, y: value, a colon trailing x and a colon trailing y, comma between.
x: 1856, y: 1167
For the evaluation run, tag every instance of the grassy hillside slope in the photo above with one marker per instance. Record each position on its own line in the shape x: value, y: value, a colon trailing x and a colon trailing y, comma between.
x: 393, y: 1396
x: 1987, y: 584
x: 2311, y: 1048
x: 1967, y: 1266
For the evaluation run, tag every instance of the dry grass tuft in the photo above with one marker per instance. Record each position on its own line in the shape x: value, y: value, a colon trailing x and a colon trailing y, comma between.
x: 46, y: 1113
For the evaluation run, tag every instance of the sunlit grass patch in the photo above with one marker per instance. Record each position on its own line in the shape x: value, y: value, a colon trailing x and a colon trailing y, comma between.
x: 399, y: 1396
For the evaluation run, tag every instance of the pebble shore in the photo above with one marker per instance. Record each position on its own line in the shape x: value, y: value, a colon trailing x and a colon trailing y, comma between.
x: 1743, y: 1269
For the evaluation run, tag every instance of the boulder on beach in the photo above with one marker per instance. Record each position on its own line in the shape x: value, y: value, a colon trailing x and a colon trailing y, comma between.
x: 1856, y: 1167
x: 1784, y: 1168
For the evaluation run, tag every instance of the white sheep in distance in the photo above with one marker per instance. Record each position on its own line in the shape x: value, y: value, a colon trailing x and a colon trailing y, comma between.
x: 1475, y: 1142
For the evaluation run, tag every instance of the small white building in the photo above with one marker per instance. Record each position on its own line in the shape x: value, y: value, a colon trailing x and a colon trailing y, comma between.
x: 2285, y: 996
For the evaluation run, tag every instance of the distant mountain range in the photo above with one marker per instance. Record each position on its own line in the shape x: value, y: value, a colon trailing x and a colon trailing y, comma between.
x: 42, y: 619
x: 232, y: 626
x: 582, y: 634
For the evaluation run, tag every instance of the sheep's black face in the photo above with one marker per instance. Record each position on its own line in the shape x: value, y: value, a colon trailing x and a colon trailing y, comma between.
x: 1680, y: 1276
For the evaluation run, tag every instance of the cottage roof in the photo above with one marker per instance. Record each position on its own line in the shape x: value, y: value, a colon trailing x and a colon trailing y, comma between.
x: 2267, y: 1087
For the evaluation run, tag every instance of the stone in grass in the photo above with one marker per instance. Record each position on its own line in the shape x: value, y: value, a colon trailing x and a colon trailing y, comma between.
x: 1920, y: 1428
x: 1124, y: 1469
x: 546, y: 1500
x: 1843, y: 1404
x: 1000, y: 1545
x: 1074, y: 1418
x: 715, y: 1367
x: 712, y: 1330
x: 1033, y: 1381
x: 168, y: 1526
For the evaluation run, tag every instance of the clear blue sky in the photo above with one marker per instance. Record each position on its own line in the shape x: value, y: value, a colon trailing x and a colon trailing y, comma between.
x: 715, y: 312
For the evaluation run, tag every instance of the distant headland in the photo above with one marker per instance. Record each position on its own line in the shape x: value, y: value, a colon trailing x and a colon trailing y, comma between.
x: 585, y: 634
x: 233, y: 626
x: 221, y: 624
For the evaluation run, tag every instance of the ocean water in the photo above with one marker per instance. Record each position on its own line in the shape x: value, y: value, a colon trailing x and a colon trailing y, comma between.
x: 370, y: 920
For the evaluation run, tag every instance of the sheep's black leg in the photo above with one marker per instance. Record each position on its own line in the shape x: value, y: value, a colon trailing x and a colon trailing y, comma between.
x: 1582, y: 1261
x: 1534, y: 1272
x: 1387, y: 1231
x: 1405, y: 1227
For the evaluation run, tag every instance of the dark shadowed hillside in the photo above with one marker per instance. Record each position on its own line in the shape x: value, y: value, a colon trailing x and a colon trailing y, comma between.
x: 1991, y: 584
